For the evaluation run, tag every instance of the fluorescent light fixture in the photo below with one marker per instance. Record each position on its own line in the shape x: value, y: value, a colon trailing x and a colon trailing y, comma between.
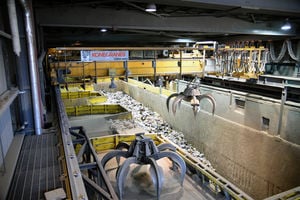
x: 151, y: 8
x: 103, y: 30
x: 184, y: 40
x: 267, y: 32
x: 250, y: 7
x: 286, y: 26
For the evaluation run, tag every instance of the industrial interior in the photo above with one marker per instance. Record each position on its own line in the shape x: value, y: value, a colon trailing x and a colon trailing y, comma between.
x: 132, y: 99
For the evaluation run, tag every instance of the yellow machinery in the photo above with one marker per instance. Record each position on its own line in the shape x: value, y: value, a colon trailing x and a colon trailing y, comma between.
x: 74, y: 70
x: 247, y: 62
x: 135, y: 67
x: 94, y: 109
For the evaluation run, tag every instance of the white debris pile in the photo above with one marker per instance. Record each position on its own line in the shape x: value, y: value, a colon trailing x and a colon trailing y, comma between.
x: 149, y: 121
x: 122, y: 124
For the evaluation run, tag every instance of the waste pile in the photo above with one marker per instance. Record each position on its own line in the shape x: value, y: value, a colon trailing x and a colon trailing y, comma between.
x: 150, y: 121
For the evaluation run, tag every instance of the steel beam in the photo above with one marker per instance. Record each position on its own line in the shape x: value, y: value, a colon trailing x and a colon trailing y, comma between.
x: 127, y: 19
x: 88, y: 165
x: 97, y: 187
x: 77, y: 186
x: 6, y: 35
x: 126, y: 48
x: 273, y: 5
x: 90, y: 152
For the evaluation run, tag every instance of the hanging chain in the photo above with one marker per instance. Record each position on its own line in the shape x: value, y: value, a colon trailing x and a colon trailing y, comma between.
x: 291, y: 52
x: 281, y: 54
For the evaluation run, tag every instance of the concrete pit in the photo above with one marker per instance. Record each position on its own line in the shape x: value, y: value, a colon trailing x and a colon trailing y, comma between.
x: 257, y: 157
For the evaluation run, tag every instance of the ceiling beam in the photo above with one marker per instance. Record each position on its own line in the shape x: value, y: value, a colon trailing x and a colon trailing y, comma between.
x: 292, y: 6
x: 130, y: 19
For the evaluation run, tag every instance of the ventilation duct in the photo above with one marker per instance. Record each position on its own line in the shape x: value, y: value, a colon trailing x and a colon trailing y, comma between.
x: 33, y: 66
x: 14, y: 26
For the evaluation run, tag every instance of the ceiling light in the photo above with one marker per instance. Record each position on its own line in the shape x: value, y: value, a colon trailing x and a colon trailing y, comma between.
x: 77, y: 43
x: 250, y: 7
x: 103, y: 30
x: 184, y: 40
x: 286, y: 26
x: 151, y: 7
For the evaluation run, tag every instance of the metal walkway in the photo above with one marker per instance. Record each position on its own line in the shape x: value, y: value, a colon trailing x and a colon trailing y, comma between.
x: 38, y: 169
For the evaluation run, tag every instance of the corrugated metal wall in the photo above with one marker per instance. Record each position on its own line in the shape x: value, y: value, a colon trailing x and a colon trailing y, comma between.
x: 6, y: 130
x: 3, y: 85
x: 7, y: 83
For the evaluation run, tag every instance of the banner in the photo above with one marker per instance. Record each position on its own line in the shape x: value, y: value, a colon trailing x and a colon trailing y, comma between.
x: 89, y: 56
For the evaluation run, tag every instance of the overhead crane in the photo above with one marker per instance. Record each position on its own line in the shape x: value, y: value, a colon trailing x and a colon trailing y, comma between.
x: 236, y: 68
x: 183, y: 64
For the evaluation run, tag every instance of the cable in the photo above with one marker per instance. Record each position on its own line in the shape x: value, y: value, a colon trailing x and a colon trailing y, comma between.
x: 281, y: 54
x: 291, y: 52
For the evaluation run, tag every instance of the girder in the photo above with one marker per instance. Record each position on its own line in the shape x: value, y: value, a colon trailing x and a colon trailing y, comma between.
x: 120, y: 20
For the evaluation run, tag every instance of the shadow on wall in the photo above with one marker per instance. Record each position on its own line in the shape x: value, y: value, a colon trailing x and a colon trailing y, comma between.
x: 291, y: 126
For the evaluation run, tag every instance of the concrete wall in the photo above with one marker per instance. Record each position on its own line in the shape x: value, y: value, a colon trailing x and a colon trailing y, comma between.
x: 260, y: 113
x: 239, y: 146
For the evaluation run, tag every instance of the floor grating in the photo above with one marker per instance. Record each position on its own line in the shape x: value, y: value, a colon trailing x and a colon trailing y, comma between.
x: 38, y: 169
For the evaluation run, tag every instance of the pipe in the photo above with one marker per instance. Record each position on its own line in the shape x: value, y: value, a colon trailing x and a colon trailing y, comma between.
x: 14, y: 26
x: 41, y: 75
x: 33, y: 65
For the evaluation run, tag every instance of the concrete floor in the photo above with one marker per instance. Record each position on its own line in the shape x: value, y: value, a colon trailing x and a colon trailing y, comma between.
x: 95, y: 125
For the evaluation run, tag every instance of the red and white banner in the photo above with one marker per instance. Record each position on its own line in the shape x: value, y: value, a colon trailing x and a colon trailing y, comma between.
x: 88, y: 56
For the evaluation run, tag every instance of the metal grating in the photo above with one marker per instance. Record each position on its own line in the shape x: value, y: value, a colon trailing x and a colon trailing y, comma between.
x: 38, y: 169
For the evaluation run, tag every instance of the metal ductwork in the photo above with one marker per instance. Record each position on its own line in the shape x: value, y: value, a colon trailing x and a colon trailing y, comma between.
x: 14, y: 26
x: 33, y: 66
